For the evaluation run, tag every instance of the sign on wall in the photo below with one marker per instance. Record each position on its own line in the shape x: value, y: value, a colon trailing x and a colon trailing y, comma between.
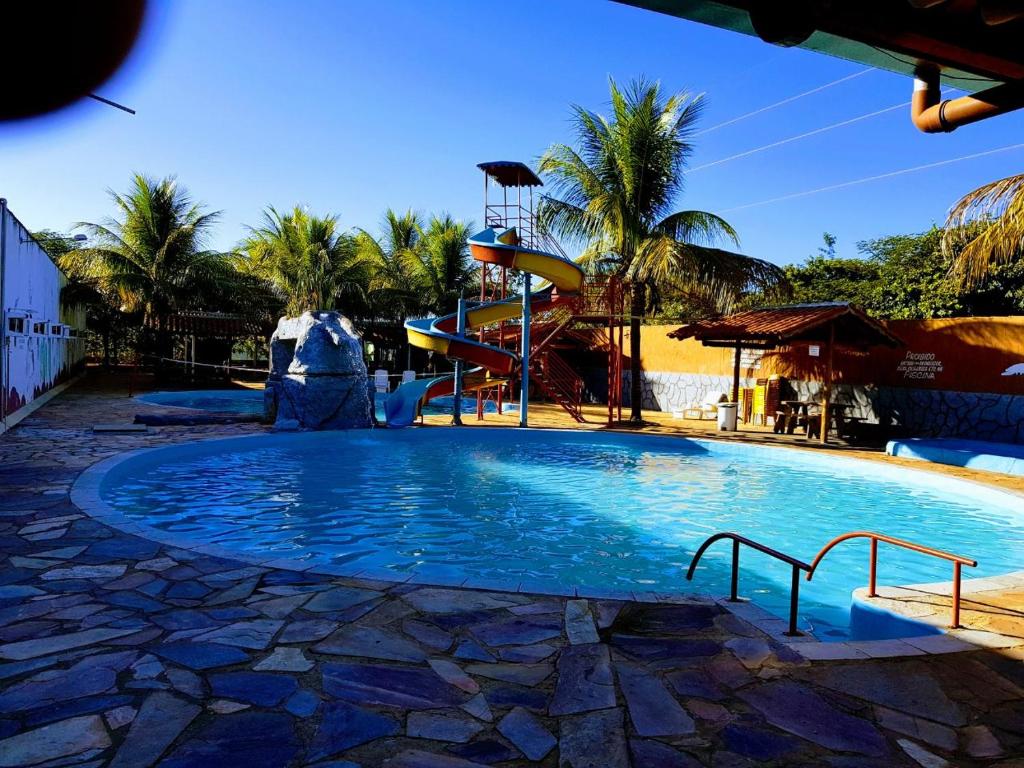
x: 920, y: 365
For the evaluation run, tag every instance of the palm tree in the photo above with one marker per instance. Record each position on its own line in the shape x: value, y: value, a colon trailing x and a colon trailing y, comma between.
x: 310, y: 262
x: 985, y: 229
x: 153, y: 256
x: 389, y: 261
x: 440, y: 265
x: 615, y: 192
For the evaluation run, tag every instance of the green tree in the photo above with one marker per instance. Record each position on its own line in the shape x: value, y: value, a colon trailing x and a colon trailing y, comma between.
x: 615, y: 193
x: 84, y: 288
x: 985, y: 230
x: 440, y: 265
x: 151, y: 260
x: 310, y: 262
x: 390, y: 262
x: 152, y: 256
x: 907, y: 277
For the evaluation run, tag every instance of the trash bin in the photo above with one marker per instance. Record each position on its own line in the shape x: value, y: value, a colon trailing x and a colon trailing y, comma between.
x: 727, y: 417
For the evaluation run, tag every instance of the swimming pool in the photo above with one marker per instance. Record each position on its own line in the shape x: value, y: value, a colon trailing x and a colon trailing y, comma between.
x: 544, y: 510
x: 250, y: 402
x: 243, y: 401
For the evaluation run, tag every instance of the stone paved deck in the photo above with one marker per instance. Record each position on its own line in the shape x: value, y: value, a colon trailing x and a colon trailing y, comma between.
x: 115, y: 650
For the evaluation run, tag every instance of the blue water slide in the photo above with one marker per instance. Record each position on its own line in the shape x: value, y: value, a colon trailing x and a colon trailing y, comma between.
x: 403, y: 405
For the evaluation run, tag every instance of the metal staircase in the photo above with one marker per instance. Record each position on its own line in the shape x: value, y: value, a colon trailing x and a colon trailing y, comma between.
x: 558, y: 381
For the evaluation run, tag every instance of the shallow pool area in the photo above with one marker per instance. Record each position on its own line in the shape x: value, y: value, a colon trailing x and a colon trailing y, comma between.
x: 608, y: 514
x: 249, y: 402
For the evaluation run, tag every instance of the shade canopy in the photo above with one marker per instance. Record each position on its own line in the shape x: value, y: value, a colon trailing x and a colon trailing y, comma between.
x: 510, y: 173
x: 777, y: 326
x: 209, y: 325
x: 977, y: 43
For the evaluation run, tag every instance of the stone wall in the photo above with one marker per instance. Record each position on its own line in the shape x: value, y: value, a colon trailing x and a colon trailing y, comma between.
x: 906, y: 411
x: 667, y: 391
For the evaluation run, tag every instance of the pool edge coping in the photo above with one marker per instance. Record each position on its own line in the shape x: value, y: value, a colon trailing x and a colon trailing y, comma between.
x: 84, y: 494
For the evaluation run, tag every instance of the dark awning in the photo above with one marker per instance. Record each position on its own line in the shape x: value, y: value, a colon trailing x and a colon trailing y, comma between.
x: 213, y: 325
x: 510, y: 173
x: 976, y: 42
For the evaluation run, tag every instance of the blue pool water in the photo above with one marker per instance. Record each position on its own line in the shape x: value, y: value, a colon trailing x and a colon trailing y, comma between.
x: 250, y: 402
x: 556, y: 510
x: 243, y: 401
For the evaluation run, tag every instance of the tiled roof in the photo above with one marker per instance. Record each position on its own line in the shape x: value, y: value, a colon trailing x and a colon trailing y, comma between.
x: 794, y: 322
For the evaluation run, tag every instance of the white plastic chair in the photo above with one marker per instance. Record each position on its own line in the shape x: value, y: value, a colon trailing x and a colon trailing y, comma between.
x: 705, y: 410
x: 408, y: 376
x: 380, y: 380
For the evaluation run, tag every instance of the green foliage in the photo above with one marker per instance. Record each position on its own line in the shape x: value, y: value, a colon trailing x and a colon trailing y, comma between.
x: 307, y: 259
x: 391, y: 287
x: 985, y: 231
x: 151, y: 259
x: 615, y: 193
x: 905, y: 277
x: 417, y: 270
x: 441, y: 267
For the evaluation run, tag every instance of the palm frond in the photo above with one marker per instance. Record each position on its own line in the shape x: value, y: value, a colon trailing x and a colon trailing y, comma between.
x: 997, y: 210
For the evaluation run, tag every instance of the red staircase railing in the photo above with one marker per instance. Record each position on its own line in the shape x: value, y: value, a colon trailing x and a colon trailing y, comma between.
x: 957, y: 560
x: 559, y: 381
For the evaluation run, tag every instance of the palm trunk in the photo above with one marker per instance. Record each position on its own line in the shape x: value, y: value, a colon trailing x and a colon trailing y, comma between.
x: 636, y: 390
x: 106, y: 347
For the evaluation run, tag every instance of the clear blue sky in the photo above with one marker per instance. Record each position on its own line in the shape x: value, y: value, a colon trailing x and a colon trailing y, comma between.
x: 351, y: 107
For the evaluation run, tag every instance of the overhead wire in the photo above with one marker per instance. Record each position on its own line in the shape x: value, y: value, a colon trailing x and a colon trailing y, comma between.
x: 877, y: 177
x: 782, y: 102
x: 799, y: 136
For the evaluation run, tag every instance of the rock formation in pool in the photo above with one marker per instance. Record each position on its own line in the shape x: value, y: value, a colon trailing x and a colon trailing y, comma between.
x: 317, y: 375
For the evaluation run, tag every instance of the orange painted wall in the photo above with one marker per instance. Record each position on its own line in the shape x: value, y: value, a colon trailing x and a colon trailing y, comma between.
x: 660, y: 353
x: 967, y: 354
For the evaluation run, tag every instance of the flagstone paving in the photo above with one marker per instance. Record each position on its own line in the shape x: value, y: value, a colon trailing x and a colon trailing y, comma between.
x: 119, y: 651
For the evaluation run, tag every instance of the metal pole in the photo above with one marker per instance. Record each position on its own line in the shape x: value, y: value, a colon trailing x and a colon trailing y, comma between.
x: 735, y: 581
x: 501, y: 333
x: 525, y: 355
x: 736, y: 373
x: 956, y: 595
x: 620, y: 303
x: 794, y: 601
x: 460, y: 329
x: 826, y: 414
x: 873, y: 568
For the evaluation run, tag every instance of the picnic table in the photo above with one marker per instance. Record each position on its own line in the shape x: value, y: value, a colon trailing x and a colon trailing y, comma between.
x: 793, y: 413
x: 798, y: 413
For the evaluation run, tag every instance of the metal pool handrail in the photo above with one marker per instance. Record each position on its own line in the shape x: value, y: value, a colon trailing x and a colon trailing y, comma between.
x: 798, y: 565
x: 957, y: 560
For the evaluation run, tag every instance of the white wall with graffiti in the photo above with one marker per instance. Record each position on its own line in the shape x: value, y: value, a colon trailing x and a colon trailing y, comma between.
x: 43, y: 343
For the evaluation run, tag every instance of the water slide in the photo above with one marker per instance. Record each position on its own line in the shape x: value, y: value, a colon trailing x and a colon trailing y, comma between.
x: 501, y: 248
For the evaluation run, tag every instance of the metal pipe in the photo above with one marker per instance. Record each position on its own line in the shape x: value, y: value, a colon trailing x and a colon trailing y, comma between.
x: 932, y: 114
x: 794, y: 602
x: 956, y: 595
x: 889, y: 540
x: 460, y: 329
x: 734, y: 587
x: 873, y: 569
x: 525, y: 355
